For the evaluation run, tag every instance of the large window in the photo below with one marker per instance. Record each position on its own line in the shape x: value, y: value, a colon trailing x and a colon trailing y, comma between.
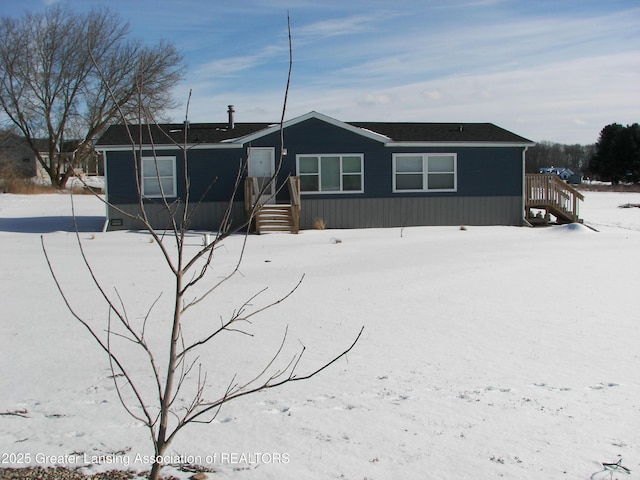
x: 330, y: 173
x: 420, y: 172
x: 157, y: 171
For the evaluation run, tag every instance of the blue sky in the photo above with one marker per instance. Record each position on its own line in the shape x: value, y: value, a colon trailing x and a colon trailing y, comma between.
x: 556, y: 70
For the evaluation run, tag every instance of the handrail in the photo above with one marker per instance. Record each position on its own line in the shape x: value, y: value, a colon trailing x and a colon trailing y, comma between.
x: 294, y: 193
x: 543, y: 190
x: 294, y: 190
x: 251, y: 192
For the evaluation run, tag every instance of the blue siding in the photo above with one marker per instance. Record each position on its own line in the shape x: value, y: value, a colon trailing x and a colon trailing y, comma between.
x: 212, y: 174
x: 215, y: 170
x: 120, y: 178
x: 316, y: 137
x: 496, y: 171
x: 490, y: 171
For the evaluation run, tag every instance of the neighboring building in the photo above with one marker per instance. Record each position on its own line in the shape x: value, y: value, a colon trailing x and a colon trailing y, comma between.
x: 18, y: 156
x: 90, y: 164
x: 565, y: 174
x: 351, y: 174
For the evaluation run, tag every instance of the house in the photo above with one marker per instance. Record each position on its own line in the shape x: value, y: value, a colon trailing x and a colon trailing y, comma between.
x: 20, y: 157
x: 349, y: 174
x: 89, y: 162
x: 17, y: 156
x: 565, y: 174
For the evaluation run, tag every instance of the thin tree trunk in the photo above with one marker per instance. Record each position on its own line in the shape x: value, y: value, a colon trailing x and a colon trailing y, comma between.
x: 165, y: 406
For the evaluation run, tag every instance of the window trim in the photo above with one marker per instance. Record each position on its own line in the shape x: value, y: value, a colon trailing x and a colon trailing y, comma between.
x: 425, y: 172
x: 154, y: 159
x: 342, y: 173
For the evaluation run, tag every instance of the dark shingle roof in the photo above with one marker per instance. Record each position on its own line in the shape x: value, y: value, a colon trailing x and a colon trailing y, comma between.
x: 442, y: 132
x: 174, y: 132
x: 212, y: 133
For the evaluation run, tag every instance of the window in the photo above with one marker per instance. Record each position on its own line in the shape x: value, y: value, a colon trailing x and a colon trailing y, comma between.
x: 158, y: 171
x: 330, y: 173
x: 419, y: 172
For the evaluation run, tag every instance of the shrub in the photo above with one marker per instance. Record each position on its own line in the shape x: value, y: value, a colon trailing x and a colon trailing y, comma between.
x: 12, y: 180
x: 319, y: 224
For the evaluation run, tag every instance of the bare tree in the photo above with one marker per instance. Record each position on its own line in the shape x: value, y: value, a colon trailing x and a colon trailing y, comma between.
x: 177, y: 399
x: 54, y: 70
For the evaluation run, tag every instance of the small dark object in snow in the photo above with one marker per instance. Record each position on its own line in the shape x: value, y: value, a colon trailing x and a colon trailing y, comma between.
x: 616, y: 467
x: 17, y: 413
x: 630, y: 205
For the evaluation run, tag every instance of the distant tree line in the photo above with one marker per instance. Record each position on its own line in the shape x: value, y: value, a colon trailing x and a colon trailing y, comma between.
x: 615, y: 157
x: 547, y: 154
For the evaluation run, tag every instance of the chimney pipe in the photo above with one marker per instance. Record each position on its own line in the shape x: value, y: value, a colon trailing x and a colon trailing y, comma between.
x: 231, y: 111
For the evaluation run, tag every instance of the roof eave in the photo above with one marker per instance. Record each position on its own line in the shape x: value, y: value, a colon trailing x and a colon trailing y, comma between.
x: 458, y: 144
x: 147, y: 146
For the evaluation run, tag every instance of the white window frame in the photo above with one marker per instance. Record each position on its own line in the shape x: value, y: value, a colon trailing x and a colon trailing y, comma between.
x: 342, y: 173
x: 425, y: 172
x: 171, y: 194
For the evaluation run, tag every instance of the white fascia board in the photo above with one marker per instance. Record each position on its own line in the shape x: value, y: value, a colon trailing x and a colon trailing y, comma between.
x: 195, y: 146
x: 457, y: 144
x: 274, y: 128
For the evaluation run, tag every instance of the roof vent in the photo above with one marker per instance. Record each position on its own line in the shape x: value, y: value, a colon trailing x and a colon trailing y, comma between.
x: 460, y: 128
x: 231, y: 111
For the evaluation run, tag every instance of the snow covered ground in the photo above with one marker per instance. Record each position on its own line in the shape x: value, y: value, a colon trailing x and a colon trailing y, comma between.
x: 487, y: 352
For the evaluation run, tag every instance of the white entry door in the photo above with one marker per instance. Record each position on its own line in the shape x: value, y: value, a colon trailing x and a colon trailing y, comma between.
x: 262, y: 167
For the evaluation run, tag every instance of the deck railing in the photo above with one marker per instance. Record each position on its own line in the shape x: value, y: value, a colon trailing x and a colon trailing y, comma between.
x: 251, y: 193
x: 550, y: 193
x: 294, y: 194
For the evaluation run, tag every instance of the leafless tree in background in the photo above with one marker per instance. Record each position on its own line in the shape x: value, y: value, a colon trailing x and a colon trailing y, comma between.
x: 67, y: 76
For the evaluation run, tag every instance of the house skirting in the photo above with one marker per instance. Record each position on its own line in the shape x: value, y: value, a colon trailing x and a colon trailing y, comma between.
x: 415, y: 211
x: 207, y: 216
x: 349, y: 213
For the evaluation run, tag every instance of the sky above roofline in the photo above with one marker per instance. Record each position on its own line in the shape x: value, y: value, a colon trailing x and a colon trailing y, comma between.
x: 555, y: 70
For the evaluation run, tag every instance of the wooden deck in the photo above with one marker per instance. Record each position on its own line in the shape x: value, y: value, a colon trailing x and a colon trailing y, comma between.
x: 269, y: 216
x: 552, y: 195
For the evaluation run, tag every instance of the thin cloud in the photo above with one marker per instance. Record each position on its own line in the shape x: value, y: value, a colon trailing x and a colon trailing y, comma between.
x: 434, y: 94
x: 369, y: 99
x: 491, y: 47
x: 231, y: 67
x: 336, y: 27
x: 471, y: 3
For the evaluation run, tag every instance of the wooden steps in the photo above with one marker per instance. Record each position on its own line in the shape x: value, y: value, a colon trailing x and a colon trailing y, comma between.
x: 275, y: 218
x: 272, y: 217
